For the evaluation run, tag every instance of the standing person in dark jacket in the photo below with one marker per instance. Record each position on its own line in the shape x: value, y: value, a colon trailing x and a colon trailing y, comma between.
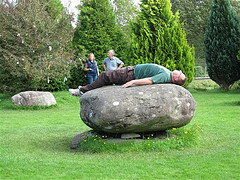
x: 91, y: 69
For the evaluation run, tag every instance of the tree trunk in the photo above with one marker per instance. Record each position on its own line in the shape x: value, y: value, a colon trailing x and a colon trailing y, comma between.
x: 224, y: 86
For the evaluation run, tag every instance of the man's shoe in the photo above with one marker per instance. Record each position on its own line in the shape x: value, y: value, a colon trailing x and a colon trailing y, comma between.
x: 75, y: 92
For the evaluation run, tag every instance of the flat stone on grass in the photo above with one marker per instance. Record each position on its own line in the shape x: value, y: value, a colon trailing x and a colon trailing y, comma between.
x: 130, y: 136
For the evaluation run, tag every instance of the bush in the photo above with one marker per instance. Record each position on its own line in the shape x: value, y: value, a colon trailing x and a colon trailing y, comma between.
x: 77, y: 75
x: 59, y: 84
x: 34, y: 46
x: 206, y: 84
x: 198, y: 71
x: 236, y: 85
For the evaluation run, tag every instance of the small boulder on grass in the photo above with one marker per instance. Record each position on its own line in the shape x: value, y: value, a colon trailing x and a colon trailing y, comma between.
x: 34, y: 98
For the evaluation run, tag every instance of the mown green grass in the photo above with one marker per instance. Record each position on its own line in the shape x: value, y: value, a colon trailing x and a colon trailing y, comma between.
x: 35, y: 144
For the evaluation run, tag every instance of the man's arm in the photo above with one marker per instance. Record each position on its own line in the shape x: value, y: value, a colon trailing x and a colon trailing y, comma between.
x: 120, y: 66
x: 145, y: 81
x: 104, y: 67
x: 97, y: 71
x: 120, y: 63
x: 87, y: 69
x: 104, y: 64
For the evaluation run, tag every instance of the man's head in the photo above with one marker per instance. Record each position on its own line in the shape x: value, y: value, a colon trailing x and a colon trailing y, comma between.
x: 110, y: 53
x: 178, y: 78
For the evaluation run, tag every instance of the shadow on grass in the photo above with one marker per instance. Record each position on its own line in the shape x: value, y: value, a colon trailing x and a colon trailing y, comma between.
x: 60, y: 144
x: 232, y: 103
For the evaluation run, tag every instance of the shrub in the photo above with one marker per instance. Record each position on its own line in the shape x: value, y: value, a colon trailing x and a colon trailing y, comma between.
x: 198, y: 71
x: 206, y: 84
x: 77, y: 75
x: 34, y: 46
x: 236, y: 85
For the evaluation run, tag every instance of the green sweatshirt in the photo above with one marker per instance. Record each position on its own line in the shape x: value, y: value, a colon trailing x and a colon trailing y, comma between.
x: 158, y: 74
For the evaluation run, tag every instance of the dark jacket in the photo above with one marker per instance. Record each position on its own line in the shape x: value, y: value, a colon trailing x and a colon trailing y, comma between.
x: 93, y: 66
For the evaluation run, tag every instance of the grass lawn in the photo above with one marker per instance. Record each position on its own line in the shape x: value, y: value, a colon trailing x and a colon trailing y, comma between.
x: 35, y: 144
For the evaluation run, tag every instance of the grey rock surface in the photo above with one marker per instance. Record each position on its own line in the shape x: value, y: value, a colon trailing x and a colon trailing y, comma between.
x: 130, y: 135
x: 137, y: 109
x: 34, y: 98
x: 120, y: 140
x: 79, y: 138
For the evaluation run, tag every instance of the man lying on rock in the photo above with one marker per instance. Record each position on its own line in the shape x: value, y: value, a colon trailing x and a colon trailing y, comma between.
x: 142, y: 74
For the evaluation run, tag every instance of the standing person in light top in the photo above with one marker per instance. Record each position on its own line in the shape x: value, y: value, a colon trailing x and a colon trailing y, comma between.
x: 91, y: 69
x: 142, y: 74
x: 112, y: 62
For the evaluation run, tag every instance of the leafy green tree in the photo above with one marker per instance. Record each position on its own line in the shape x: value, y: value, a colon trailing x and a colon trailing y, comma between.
x: 158, y: 37
x: 194, y: 14
x: 222, y: 41
x: 34, y: 49
x: 97, y: 31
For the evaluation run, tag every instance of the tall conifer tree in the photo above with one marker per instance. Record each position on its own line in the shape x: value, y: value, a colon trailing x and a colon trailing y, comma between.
x: 222, y: 41
x: 158, y: 37
x: 97, y: 31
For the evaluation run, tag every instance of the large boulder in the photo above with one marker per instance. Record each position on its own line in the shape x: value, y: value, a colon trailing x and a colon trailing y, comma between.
x: 148, y: 108
x: 34, y: 98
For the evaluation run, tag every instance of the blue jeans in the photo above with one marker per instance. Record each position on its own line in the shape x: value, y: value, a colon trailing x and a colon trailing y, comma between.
x: 91, y: 78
